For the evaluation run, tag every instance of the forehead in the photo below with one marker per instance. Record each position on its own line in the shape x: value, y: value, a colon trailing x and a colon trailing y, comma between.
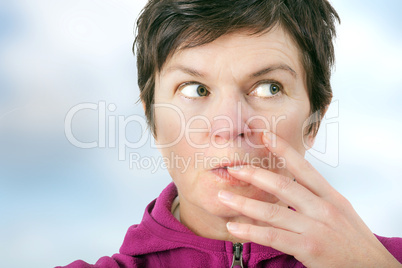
x: 239, y: 51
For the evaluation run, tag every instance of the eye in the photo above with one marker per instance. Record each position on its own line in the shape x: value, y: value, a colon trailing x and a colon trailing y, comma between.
x: 194, y: 90
x: 266, y: 89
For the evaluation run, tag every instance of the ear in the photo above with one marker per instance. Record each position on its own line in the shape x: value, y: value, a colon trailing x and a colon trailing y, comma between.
x: 310, y: 138
x: 143, y: 105
x: 309, y: 141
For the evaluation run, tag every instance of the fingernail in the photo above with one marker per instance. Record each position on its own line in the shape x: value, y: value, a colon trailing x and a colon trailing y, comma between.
x: 232, y: 226
x: 225, y: 195
x: 235, y: 167
x: 268, y: 137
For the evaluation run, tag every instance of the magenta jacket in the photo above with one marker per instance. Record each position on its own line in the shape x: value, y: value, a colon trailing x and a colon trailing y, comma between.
x: 162, y: 241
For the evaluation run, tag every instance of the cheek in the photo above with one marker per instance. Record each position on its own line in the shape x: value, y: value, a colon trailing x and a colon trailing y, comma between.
x: 177, y: 151
x: 168, y: 123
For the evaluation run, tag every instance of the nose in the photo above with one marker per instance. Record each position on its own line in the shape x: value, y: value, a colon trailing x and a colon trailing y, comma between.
x: 230, y: 120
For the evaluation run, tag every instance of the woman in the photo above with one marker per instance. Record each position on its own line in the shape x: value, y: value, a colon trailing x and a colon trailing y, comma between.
x: 233, y: 92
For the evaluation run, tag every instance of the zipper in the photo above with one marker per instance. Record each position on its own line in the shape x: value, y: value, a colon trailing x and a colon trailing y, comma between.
x: 237, y: 255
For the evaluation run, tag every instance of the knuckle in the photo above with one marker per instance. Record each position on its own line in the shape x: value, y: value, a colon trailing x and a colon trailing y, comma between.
x: 271, y: 236
x: 271, y: 212
x: 343, y: 201
x: 338, y: 212
x: 284, y: 183
x: 313, y: 247
x: 330, y: 212
x: 333, y: 211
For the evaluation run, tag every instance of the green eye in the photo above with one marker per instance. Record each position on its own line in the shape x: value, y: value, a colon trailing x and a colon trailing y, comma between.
x: 274, y: 89
x: 202, y: 91
x: 194, y: 90
x: 266, y: 90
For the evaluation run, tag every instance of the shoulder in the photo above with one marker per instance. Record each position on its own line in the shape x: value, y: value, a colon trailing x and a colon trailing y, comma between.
x: 393, y: 245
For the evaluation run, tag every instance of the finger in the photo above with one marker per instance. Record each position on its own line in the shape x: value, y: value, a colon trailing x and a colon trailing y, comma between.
x: 282, y: 187
x: 277, y: 216
x: 282, y: 240
x: 304, y: 172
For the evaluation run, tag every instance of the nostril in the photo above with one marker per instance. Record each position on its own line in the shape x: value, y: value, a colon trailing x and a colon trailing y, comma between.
x: 241, y: 135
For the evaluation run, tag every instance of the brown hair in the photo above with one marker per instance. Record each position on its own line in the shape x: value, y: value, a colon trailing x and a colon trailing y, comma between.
x: 167, y: 25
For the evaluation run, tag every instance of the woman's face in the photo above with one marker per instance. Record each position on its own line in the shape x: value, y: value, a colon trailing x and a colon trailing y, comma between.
x: 213, y: 103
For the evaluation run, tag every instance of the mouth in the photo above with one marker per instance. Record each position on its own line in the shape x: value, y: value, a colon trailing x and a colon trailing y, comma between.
x: 223, y: 176
x: 230, y: 163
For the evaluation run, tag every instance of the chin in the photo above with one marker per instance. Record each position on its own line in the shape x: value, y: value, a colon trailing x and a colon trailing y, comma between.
x: 220, y: 210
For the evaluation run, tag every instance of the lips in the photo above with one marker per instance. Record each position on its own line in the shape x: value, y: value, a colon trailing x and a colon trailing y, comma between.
x: 225, y: 165
x: 223, y: 176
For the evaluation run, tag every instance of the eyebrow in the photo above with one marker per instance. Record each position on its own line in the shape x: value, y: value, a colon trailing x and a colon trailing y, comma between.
x: 186, y: 70
x: 273, y: 68
x: 195, y: 73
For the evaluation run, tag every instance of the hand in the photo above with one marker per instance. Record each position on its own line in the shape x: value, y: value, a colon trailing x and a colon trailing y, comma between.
x: 323, y: 231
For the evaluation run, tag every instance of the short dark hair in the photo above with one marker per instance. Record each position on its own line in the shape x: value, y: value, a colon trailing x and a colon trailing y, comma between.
x: 167, y: 25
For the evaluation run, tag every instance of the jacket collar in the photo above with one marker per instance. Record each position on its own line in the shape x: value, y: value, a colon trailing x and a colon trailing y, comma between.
x: 161, y: 231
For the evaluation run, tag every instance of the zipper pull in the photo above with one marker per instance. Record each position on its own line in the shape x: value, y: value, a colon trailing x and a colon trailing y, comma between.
x: 237, y: 255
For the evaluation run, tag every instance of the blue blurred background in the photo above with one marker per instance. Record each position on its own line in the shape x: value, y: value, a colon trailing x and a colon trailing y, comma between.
x: 59, y: 203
